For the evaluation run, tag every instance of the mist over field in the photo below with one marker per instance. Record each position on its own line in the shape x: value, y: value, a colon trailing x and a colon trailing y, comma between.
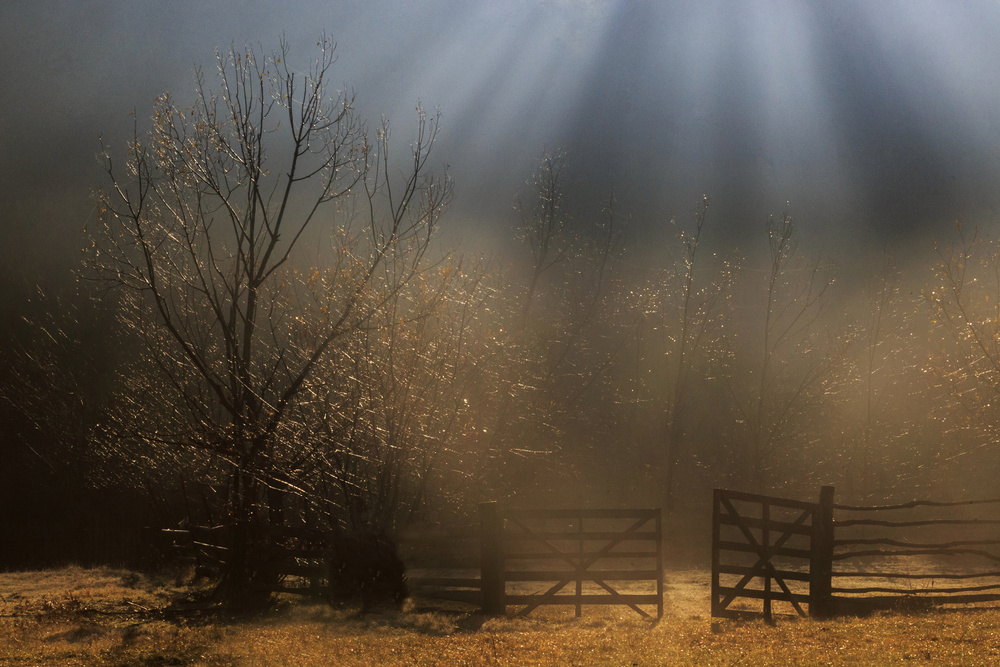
x: 664, y: 247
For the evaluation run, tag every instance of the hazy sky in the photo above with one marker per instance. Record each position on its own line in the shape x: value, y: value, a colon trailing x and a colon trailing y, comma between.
x: 876, y: 120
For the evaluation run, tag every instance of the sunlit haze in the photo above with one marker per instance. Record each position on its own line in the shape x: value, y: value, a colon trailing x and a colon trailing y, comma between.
x: 872, y: 120
x: 797, y: 286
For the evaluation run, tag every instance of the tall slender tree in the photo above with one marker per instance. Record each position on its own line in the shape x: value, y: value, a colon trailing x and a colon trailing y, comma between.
x: 782, y: 369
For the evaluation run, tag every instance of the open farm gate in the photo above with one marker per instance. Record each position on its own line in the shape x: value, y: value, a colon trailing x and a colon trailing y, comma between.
x: 766, y: 550
x: 775, y: 555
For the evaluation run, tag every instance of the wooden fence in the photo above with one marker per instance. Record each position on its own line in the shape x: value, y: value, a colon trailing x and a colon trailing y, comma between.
x: 922, y: 553
x: 587, y: 557
x: 443, y: 563
x: 772, y: 552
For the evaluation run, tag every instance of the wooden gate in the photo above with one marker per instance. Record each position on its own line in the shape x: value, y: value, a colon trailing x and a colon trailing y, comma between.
x: 790, y: 547
x: 587, y: 557
x: 768, y: 550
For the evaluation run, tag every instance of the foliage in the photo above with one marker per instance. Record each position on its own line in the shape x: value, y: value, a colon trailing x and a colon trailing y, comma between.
x: 963, y: 298
x: 389, y: 409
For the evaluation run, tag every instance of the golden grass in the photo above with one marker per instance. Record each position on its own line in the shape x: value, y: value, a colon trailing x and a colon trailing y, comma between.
x: 112, y: 617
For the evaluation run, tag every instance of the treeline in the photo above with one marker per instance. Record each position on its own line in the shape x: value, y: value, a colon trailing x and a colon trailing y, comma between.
x: 208, y: 368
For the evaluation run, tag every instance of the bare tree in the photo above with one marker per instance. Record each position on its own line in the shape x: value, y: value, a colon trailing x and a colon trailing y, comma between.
x: 679, y: 338
x: 779, y: 373
x: 543, y: 223
x: 550, y: 317
x: 886, y: 383
x: 199, y: 231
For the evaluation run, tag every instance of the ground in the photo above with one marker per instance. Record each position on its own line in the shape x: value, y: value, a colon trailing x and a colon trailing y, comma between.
x: 104, y: 616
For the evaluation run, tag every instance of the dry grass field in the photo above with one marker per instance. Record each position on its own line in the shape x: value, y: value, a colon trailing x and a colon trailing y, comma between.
x: 104, y: 616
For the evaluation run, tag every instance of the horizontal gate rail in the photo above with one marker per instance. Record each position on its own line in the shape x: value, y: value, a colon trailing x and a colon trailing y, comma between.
x: 793, y: 575
x: 532, y: 602
x: 537, y: 536
x: 881, y: 589
x: 588, y: 575
x: 764, y: 595
x: 915, y: 545
x: 755, y: 549
x: 912, y: 524
x: 757, y: 498
x: 586, y: 513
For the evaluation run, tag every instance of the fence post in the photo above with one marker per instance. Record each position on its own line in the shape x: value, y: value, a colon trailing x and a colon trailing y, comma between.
x: 659, y: 563
x: 821, y: 557
x: 717, y: 608
x: 491, y: 563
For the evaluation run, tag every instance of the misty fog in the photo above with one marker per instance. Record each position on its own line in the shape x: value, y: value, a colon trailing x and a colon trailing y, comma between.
x: 745, y: 245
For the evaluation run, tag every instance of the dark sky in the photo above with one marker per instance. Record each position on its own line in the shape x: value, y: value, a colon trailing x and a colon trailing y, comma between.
x: 877, y: 121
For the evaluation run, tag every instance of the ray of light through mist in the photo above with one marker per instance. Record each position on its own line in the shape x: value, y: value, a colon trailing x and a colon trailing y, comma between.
x: 874, y: 124
x: 874, y: 119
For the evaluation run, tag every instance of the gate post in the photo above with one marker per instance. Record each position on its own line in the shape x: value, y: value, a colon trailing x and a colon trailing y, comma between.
x: 821, y: 557
x: 491, y: 563
x: 717, y: 608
